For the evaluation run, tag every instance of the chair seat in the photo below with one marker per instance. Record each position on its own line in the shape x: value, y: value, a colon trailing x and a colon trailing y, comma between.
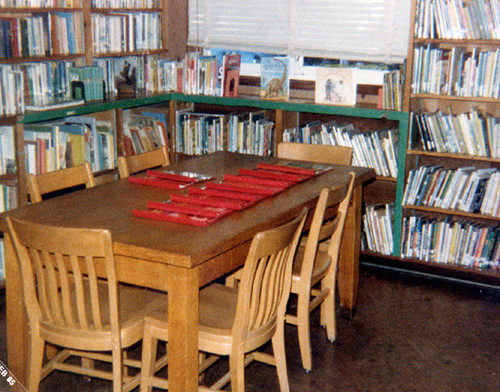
x: 217, y: 310
x: 134, y: 304
x: 321, y: 265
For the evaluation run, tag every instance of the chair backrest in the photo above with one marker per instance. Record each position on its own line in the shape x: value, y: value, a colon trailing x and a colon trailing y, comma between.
x: 331, y: 228
x: 60, y: 268
x: 146, y: 160
x: 339, y: 155
x: 264, y: 288
x: 41, y: 184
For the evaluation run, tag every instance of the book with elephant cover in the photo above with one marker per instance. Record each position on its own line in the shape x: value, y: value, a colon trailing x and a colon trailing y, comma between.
x: 275, y: 78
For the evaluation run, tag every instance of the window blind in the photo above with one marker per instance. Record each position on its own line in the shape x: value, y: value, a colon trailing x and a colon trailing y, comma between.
x: 363, y: 30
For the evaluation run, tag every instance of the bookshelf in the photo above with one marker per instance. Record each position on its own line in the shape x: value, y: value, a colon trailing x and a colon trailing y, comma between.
x: 452, y: 95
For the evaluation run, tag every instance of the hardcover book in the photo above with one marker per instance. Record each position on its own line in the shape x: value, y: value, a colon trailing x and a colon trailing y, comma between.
x: 275, y: 78
x: 231, y: 75
x: 335, y: 86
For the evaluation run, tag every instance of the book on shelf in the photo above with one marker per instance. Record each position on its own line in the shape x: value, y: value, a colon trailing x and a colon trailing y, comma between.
x: 377, y: 228
x: 251, y: 133
x: 7, y: 150
x: 450, y: 242
x: 335, y: 86
x: 71, y: 141
x: 142, y: 133
x: 459, y: 71
x: 231, y: 75
x: 275, y: 78
x: 200, y: 133
x: 454, y: 19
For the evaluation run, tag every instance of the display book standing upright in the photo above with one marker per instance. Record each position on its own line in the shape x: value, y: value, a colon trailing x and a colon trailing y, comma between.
x: 452, y: 183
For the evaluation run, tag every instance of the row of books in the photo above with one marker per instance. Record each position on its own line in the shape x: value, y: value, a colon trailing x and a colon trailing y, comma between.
x: 375, y: 149
x: 251, y: 133
x: 377, y: 228
x: 126, y: 32
x: 143, y: 132
x: 40, y: 3
x: 41, y: 34
x: 465, y: 189
x: 8, y: 197
x: 456, y: 72
x: 7, y: 155
x: 214, y: 75
x: 87, y: 83
x: 457, y: 19
x: 125, y: 4
x: 464, y: 133
x: 392, y: 90
x: 202, y: 133
x: 451, y: 242
x: 11, y: 90
x: 69, y: 142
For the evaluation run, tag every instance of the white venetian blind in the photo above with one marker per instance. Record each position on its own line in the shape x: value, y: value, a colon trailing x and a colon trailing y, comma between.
x: 366, y: 30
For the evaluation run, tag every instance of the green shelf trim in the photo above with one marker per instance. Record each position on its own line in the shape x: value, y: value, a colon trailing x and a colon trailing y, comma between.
x: 398, y: 204
x: 93, y: 107
x: 294, y: 106
x: 128, y: 103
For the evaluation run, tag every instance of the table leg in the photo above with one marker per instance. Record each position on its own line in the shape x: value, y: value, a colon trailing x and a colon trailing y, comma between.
x: 348, y: 274
x: 17, y: 322
x: 183, y: 330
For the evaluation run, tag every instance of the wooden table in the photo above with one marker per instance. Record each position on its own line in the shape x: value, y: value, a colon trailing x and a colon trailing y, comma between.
x: 178, y: 258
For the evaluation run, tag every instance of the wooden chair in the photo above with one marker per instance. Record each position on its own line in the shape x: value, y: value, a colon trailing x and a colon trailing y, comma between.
x: 73, y: 301
x: 316, y: 264
x: 237, y: 321
x: 315, y: 153
x: 146, y: 160
x: 41, y: 184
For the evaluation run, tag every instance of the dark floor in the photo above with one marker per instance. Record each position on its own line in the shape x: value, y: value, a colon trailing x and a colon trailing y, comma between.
x: 408, y: 334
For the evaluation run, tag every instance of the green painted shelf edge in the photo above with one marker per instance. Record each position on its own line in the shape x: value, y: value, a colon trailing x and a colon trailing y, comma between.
x: 127, y: 103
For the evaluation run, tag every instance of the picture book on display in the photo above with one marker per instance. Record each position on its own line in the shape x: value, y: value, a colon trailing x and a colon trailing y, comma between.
x: 335, y: 86
x: 231, y: 75
x: 275, y: 78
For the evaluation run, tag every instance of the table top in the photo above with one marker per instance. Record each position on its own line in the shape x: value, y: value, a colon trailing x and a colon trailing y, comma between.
x: 110, y: 206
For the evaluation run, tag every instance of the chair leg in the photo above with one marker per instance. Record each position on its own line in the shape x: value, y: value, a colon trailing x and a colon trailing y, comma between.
x: 117, y: 355
x: 328, y: 308
x: 304, y: 332
x: 37, y: 346
x: 237, y: 370
x: 149, y: 346
x: 280, y: 357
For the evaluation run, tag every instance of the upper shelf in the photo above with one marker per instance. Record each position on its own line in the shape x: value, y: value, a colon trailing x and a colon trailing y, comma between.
x: 137, y: 101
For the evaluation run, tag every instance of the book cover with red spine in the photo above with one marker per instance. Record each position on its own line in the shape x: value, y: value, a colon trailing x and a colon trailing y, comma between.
x: 175, y: 217
x: 188, y: 177
x: 245, y: 187
x: 287, y: 169
x: 226, y: 194
x: 279, y: 175
x: 153, y: 181
x: 189, y: 208
x: 258, y: 180
x: 212, y: 201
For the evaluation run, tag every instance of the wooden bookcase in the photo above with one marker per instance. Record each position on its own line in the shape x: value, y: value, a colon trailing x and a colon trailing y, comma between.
x: 425, y: 100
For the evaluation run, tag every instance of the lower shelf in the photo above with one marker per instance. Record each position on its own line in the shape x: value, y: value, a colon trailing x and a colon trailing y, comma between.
x: 488, y: 277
